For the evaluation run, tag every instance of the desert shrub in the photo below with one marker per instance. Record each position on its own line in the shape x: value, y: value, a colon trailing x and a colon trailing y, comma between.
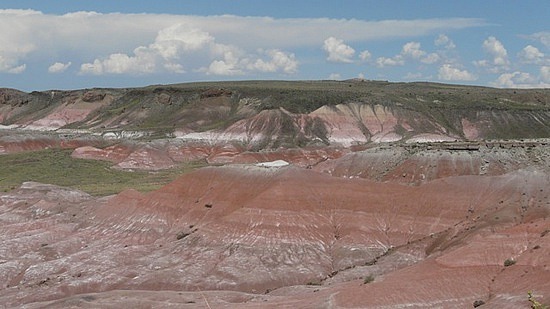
x: 368, y: 279
x: 181, y: 235
x: 509, y: 262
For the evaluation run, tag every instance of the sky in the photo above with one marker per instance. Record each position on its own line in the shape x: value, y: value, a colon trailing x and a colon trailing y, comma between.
x: 73, y: 44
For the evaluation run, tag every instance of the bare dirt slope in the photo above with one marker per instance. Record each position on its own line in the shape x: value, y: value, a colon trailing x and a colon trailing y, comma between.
x: 278, y: 234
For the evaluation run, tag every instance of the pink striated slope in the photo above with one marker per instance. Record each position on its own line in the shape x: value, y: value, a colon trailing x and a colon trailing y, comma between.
x: 115, y: 153
x: 254, y: 230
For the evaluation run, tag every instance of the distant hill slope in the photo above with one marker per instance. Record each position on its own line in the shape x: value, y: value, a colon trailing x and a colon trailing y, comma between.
x: 269, y: 114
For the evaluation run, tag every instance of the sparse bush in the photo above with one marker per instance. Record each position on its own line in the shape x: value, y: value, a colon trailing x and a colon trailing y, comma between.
x: 509, y: 262
x: 368, y: 279
x: 478, y: 303
x: 181, y: 235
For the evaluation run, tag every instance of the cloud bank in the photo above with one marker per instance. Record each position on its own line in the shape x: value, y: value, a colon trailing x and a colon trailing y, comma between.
x: 130, y: 47
x: 227, y: 45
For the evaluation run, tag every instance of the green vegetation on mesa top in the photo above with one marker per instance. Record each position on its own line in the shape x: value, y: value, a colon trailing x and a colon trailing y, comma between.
x: 55, y: 166
x: 306, y: 96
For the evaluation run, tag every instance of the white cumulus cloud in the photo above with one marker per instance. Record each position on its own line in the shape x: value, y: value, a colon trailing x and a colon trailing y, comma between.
x: 431, y: 58
x: 444, y: 41
x: 14, y: 43
x: 338, y: 51
x: 393, y: 61
x: 412, y: 49
x: 365, y: 55
x: 277, y: 61
x: 223, y: 67
x: 169, y: 46
x: 235, y: 62
x: 10, y: 65
x: 495, y: 48
x: 521, y: 80
x: 177, y: 39
x: 228, y: 65
x: 177, y: 43
x: 543, y: 37
x: 59, y: 67
x: 499, y: 56
x: 531, y: 54
x: 17, y: 69
x: 119, y: 63
x: 450, y: 73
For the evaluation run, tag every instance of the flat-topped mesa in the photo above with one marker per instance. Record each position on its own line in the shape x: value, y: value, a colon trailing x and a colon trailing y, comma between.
x: 265, y: 115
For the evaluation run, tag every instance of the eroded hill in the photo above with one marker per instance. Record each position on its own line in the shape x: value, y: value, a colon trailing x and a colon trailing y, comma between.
x: 270, y: 114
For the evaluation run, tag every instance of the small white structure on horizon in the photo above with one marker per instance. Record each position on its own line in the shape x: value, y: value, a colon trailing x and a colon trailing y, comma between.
x: 276, y: 164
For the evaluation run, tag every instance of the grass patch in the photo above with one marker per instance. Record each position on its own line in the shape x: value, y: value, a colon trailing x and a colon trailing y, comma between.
x: 535, y: 304
x: 56, y: 166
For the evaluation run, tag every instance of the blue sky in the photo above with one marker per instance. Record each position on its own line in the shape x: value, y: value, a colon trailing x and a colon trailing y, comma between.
x: 70, y: 44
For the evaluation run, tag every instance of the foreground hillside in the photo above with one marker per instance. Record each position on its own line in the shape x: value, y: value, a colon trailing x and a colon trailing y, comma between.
x: 280, y: 237
x: 353, y: 194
